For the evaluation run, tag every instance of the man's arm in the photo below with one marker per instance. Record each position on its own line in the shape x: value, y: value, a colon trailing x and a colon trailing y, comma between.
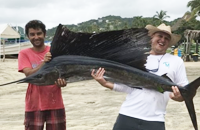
x: 29, y: 71
x: 181, y: 80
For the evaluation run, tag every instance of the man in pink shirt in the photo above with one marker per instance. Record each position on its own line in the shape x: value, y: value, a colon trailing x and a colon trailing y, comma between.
x: 42, y: 103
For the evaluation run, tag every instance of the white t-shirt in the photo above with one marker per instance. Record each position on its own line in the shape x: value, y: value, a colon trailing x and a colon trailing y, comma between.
x: 149, y: 104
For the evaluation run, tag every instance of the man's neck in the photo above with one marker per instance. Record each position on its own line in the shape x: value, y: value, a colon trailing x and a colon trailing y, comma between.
x: 154, y: 53
x: 39, y: 49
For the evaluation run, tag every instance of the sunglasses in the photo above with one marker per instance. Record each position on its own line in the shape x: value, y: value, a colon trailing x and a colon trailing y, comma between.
x: 156, y: 70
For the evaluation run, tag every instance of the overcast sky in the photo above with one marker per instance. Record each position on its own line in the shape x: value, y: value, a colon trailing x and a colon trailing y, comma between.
x: 53, y: 12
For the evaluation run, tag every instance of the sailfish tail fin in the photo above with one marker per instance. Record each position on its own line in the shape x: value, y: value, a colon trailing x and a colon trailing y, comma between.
x: 191, y: 109
x: 188, y: 94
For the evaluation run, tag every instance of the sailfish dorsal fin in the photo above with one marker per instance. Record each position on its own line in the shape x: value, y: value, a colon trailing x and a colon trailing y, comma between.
x: 128, y: 46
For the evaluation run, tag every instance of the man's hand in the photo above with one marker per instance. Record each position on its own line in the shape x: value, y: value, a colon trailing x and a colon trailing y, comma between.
x: 98, y: 76
x: 47, y: 57
x: 61, y: 82
x: 176, y: 95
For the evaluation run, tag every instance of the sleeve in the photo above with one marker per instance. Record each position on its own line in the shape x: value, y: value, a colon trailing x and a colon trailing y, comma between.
x: 23, y: 61
x: 122, y: 88
x: 181, y: 76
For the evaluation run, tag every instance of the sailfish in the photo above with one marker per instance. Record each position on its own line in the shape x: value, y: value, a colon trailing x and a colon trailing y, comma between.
x: 122, y: 53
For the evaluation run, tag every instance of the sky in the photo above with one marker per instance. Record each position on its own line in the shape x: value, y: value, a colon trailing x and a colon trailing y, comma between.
x: 54, y: 12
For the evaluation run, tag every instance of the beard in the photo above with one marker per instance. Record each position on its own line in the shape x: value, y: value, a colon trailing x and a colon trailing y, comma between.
x: 38, y: 44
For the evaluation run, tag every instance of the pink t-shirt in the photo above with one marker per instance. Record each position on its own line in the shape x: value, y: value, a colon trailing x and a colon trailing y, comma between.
x: 39, y: 97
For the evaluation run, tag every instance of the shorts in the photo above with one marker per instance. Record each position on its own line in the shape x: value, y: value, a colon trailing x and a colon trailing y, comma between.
x: 54, y: 119
x: 129, y: 123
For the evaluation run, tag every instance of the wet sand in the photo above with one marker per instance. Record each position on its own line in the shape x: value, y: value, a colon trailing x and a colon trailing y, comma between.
x: 89, y: 106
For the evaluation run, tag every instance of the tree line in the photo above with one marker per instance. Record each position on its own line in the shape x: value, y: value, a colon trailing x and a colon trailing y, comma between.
x: 108, y: 23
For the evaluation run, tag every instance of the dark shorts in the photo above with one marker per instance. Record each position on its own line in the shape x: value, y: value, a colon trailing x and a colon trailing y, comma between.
x: 54, y: 119
x: 128, y: 123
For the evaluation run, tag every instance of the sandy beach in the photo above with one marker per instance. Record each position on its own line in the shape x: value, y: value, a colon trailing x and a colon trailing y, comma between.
x: 89, y: 106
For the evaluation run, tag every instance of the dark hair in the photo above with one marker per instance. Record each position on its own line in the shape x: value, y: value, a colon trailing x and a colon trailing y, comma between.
x: 35, y: 24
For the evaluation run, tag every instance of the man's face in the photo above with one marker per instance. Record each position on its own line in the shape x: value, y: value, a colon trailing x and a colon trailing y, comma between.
x: 36, y: 37
x: 160, y: 43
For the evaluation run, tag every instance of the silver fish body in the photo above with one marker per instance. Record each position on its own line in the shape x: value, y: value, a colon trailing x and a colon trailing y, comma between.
x: 76, y: 68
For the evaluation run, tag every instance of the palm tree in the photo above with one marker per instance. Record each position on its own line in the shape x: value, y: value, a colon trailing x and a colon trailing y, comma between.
x: 139, y: 22
x: 161, y: 15
x: 192, y: 23
x: 195, y: 7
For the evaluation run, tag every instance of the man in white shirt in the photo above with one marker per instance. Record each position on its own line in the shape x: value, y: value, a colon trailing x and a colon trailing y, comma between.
x: 144, y: 109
